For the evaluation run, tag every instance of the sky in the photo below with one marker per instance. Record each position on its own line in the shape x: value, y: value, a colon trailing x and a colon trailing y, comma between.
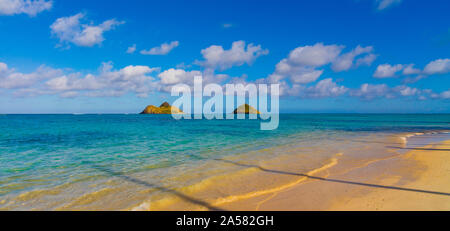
x: 362, y: 56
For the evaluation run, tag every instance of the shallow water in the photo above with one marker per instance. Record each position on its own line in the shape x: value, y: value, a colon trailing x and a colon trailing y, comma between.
x: 104, y: 162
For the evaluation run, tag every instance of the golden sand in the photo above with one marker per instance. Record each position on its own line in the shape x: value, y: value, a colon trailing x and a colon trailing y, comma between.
x: 417, y: 180
x: 433, y: 177
x: 370, y: 176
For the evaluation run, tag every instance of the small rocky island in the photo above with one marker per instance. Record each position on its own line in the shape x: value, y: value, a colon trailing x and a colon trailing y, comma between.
x: 165, y: 108
x: 246, y: 109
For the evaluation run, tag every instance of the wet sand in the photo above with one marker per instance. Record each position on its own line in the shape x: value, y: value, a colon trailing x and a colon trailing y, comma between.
x: 417, y: 179
x: 432, y: 175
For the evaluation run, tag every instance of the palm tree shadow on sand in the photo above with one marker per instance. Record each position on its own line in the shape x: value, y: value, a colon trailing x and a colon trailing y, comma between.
x: 213, y: 208
x: 397, y: 147
x: 154, y: 186
x: 422, y: 149
x: 381, y: 142
x: 329, y: 179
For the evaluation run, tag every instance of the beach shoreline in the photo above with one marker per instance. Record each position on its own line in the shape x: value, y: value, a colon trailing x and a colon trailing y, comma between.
x: 416, y: 179
x: 325, y: 171
x: 398, y: 179
x: 429, y: 190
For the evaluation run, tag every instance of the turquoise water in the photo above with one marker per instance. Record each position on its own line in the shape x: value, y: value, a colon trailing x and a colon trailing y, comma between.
x: 44, y: 151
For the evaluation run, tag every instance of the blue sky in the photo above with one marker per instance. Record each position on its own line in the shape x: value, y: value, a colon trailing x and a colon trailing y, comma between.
x: 82, y: 56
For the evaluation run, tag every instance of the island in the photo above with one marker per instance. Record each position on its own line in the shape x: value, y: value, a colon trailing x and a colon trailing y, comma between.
x: 165, y: 108
x: 246, y: 109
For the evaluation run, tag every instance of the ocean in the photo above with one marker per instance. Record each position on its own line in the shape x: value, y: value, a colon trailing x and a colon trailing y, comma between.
x: 153, y: 162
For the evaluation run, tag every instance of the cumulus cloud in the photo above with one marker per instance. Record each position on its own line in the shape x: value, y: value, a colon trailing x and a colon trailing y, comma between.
x: 428, y: 93
x: 171, y: 77
x: 367, y: 60
x: 216, y: 57
x: 439, y: 66
x: 387, y: 70
x: 314, y: 56
x: 445, y: 95
x: 29, y: 7
x: 132, y: 49
x: 406, y: 91
x: 12, y: 79
x: 142, y: 80
x: 305, y: 76
x: 322, y: 89
x: 108, y: 82
x: 410, y: 70
x: 301, y: 65
x: 346, y: 61
x: 372, y: 91
x: 71, y: 30
x: 325, y: 88
x: 384, y: 4
x: 163, y: 49
x: 175, y: 76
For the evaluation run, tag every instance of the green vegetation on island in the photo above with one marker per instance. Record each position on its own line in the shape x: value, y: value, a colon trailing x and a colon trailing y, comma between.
x: 165, y: 108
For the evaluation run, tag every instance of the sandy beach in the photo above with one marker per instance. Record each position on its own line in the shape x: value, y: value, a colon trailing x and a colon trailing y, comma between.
x: 414, y: 180
x: 432, y: 174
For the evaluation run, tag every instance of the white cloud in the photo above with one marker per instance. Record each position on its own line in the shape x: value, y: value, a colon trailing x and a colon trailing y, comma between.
x: 216, y: 57
x: 302, y: 63
x: 371, y: 91
x: 410, y: 70
x: 445, y: 95
x: 308, y: 76
x: 387, y: 70
x: 11, y: 79
x: 314, y: 56
x: 108, y: 82
x: 413, y: 79
x: 439, y: 66
x: 69, y: 94
x: 71, y: 30
x: 367, y: 60
x: 407, y: 91
x: 297, y: 73
x: 175, y: 76
x: 131, y: 49
x: 169, y: 78
x: 384, y: 4
x: 325, y: 88
x: 29, y: 7
x: 3, y: 67
x: 163, y: 49
x: 346, y: 61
